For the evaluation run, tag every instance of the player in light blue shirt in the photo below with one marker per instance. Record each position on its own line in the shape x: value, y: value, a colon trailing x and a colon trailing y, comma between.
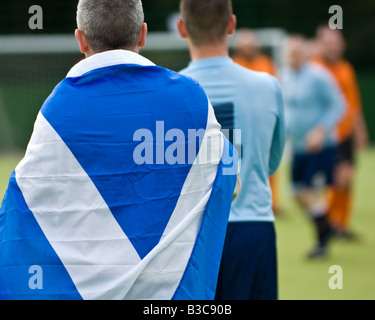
x: 255, y: 103
x: 314, y: 107
x: 313, y: 100
x: 249, y: 104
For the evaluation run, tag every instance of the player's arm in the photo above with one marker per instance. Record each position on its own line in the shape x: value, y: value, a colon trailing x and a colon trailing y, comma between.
x: 238, y: 187
x: 279, y: 135
x: 361, y: 132
x: 333, y: 100
x: 355, y: 101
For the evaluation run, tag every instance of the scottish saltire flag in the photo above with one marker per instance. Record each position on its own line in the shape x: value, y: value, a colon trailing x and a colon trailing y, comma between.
x: 108, y: 202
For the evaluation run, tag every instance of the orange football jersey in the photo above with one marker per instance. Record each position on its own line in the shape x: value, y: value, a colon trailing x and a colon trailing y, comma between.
x: 345, y: 76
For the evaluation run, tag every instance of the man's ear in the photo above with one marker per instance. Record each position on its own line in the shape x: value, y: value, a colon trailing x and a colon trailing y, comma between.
x: 182, y: 28
x: 81, y: 38
x: 232, y: 25
x: 142, y: 36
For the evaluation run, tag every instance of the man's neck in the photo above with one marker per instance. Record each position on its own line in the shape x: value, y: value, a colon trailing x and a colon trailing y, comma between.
x: 332, y: 62
x: 90, y: 52
x: 298, y: 67
x: 219, y: 49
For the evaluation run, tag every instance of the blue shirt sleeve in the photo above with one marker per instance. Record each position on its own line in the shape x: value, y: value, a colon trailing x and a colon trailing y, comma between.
x: 279, y: 136
x: 332, y: 99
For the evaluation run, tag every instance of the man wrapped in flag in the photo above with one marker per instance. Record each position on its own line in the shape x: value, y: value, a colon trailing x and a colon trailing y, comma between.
x: 127, y: 182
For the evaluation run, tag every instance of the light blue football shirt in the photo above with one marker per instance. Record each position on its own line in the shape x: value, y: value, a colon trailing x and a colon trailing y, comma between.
x: 312, y: 99
x: 253, y: 103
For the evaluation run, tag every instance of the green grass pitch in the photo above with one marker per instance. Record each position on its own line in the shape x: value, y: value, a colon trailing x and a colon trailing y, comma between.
x: 299, y: 278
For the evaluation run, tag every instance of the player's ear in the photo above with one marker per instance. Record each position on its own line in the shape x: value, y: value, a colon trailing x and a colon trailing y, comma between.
x: 142, y: 36
x: 232, y: 24
x: 182, y: 28
x: 81, y: 38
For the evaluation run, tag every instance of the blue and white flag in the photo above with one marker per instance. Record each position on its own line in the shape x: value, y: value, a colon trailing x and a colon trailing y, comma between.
x: 108, y: 202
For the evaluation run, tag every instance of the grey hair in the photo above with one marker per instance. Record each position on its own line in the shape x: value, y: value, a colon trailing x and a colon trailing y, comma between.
x: 110, y: 24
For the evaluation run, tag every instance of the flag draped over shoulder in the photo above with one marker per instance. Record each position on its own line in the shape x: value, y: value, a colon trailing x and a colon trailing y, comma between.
x: 83, y: 219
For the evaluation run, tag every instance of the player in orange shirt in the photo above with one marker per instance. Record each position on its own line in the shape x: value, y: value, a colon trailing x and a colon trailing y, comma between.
x: 248, y: 54
x: 351, y: 131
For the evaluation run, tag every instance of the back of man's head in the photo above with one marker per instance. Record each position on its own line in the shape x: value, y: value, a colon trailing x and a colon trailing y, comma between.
x: 110, y: 24
x: 246, y: 44
x: 295, y: 51
x: 206, y: 20
x: 332, y: 42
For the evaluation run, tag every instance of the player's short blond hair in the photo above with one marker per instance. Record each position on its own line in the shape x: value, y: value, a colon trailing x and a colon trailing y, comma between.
x: 110, y: 24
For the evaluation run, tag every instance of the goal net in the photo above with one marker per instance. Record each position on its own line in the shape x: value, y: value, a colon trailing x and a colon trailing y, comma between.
x: 31, y: 66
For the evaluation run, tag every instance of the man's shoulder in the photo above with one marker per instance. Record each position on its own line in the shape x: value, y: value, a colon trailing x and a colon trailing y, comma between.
x: 173, y: 81
x: 183, y: 85
x: 347, y: 68
x: 344, y: 64
x: 339, y: 67
x: 241, y: 78
x: 320, y: 73
x: 259, y: 84
x: 188, y: 73
x: 184, y: 71
x: 183, y: 77
x: 255, y: 79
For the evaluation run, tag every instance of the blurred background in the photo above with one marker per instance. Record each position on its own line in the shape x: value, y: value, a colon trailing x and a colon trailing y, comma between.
x: 32, y: 62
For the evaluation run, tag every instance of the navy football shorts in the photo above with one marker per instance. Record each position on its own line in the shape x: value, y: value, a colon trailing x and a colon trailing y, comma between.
x: 307, y: 167
x: 248, y: 269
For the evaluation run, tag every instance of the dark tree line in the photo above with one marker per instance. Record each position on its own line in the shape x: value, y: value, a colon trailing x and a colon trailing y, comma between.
x: 300, y: 16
